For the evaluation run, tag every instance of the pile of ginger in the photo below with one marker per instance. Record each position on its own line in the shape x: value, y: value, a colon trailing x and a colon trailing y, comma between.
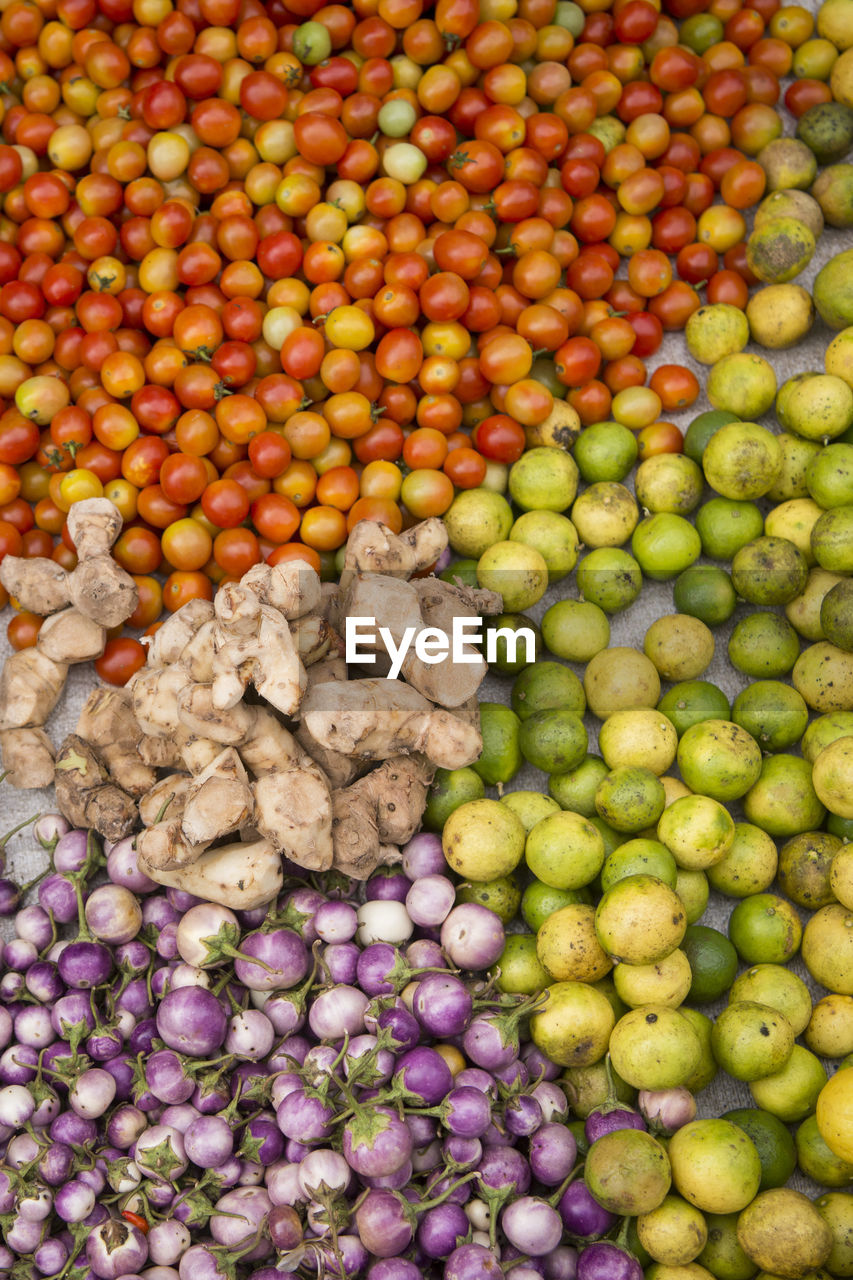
x: 246, y: 739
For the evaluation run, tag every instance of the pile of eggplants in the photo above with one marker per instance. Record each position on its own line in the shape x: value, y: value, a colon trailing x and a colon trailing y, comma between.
x: 190, y: 1093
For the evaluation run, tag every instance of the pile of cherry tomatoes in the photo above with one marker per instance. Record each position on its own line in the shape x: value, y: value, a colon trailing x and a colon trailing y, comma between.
x: 267, y: 270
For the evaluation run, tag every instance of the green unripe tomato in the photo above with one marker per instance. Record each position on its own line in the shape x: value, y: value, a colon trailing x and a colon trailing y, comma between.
x: 312, y: 43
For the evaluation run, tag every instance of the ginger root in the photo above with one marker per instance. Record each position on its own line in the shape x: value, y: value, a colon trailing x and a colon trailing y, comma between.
x: 217, y: 801
x: 30, y: 687
x: 85, y: 794
x: 163, y: 847
x: 384, y: 807
x: 69, y: 636
x: 27, y: 757
x: 374, y: 548
x: 375, y: 719
x: 37, y: 583
x: 293, y: 810
x: 107, y: 722
x: 165, y: 801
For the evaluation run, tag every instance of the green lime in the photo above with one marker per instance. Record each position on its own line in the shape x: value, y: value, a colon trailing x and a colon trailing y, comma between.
x: 726, y: 524
x: 483, y: 840
x: 703, y: 426
x: 790, y: 481
x: 707, y: 1068
x: 778, y: 987
x: 748, y: 867
x: 639, y: 857
x: 529, y: 807
x: 555, y: 741
x: 450, y: 788
x: 705, y: 592
x: 744, y: 384
x: 693, y: 701
x: 823, y: 731
x: 576, y: 790
x: 832, y: 539
x: 698, y: 831
x: 717, y: 758
x: 575, y: 630
x: 773, y: 1142
x: 743, y: 459
x: 605, y: 514
x: 501, y: 896
x: 751, y: 1040
x: 783, y: 800
x: 713, y: 962
x: 630, y: 798
x: 500, y: 758
x: 836, y: 1210
x: 605, y: 451
x: 654, y: 1047
x: 763, y: 645
x: 829, y: 476
x: 774, y: 713
x: 518, y: 574
x: 565, y: 851
x: 546, y: 686
x: 714, y: 1165
x: 694, y: 891
x: 518, y: 970
x: 543, y: 479
x: 539, y: 901
x: 554, y: 537
x: 640, y: 920
x: 665, y: 545
x: 816, y: 1160
x: 511, y: 652
x: 804, y: 869
x: 765, y: 929
x: 769, y: 571
x: 791, y: 1093
x: 612, y: 838
x: 463, y: 570
x: 669, y: 482
x: 475, y: 520
x: 573, y: 1026
x: 610, y: 578
x: 722, y: 1255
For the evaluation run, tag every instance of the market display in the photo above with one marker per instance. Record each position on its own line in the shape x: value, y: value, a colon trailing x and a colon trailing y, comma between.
x: 339, y: 348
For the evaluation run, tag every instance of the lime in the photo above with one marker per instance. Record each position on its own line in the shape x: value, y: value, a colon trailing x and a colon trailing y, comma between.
x: 640, y: 920
x: 782, y: 1231
x: 707, y: 1069
x: 568, y: 948
x: 828, y: 950
x: 717, y: 758
x: 773, y: 1142
x: 804, y: 868
x: 518, y: 574
x: 823, y: 674
x: 510, y: 648
x: 575, y: 630
x: 722, y: 1255
x: 674, y: 1233
x: 638, y: 736
x: 836, y: 615
x: 829, y: 476
x: 698, y: 831
x: 778, y: 987
x: 654, y: 1047
x: 555, y: 741
x: 693, y: 701
x: 465, y: 571
x: 835, y: 1209
x: 702, y: 427
x: 769, y: 571
x: 748, y: 867
x: 529, y: 806
x: 830, y: 1030
x: 790, y: 480
x: 666, y: 982
x: 832, y: 539
x: 564, y: 851
x: 763, y: 645
x: 501, y: 896
x: 714, y: 1165
x: 630, y: 798
x: 553, y: 535
x: 546, y: 686
x: 765, y: 929
x: 500, y: 758
x: 518, y: 970
x: 713, y: 962
x: 619, y: 678
x: 680, y: 646
x: 605, y: 514
x: 612, y: 838
x: 774, y: 713
x: 573, y: 1027
x: 742, y: 460
x: 665, y: 545
x: 450, y: 788
x: 803, y: 612
x: 783, y: 800
x: 705, y: 592
x: 824, y: 730
x: 751, y: 1040
x: 605, y: 451
x: 627, y: 1171
x: 693, y: 889
x: 576, y: 790
x: 483, y: 840
x: 817, y: 1160
x: 475, y: 520
x: 669, y: 482
x: 543, y: 479
x: 791, y: 1093
x: 610, y: 578
x: 639, y: 857
x: 539, y: 901
x: 727, y: 524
